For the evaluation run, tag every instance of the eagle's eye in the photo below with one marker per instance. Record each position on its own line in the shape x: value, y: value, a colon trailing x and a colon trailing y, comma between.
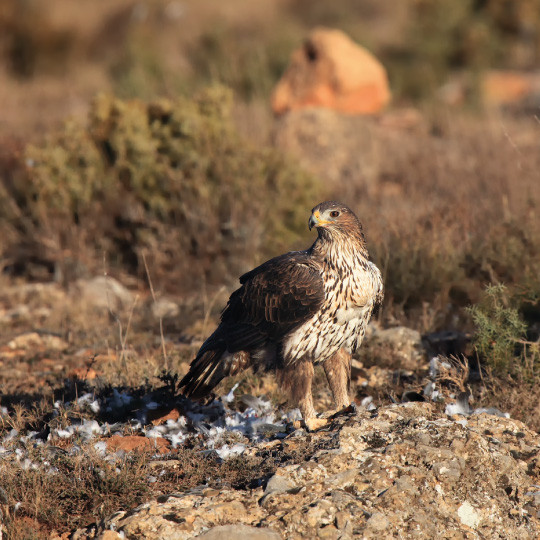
x: 334, y: 213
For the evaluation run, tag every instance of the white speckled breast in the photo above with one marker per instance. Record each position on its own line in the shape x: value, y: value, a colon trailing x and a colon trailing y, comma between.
x: 351, y: 286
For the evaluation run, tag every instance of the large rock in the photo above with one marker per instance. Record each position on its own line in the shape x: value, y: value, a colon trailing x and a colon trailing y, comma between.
x: 500, y: 87
x: 330, y: 70
x: 102, y: 293
x: 408, y: 471
x: 337, y: 147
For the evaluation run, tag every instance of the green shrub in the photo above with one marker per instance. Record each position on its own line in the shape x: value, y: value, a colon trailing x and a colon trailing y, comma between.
x: 170, y: 179
x: 499, y: 327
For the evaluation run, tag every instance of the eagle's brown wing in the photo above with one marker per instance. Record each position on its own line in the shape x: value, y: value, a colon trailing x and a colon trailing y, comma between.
x: 274, y: 299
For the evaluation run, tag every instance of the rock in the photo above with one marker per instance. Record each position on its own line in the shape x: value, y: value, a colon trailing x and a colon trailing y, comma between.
x: 164, y: 308
x: 138, y: 443
x: 103, y: 293
x: 407, y: 472
x: 397, y: 346
x: 239, y: 532
x: 17, y: 314
x: 468, y: 515
x: 40, y: 294
x: 275, y: 486
x: 109, y: 535
x: 278, y: 484
x: 333, y: 146
x: 332, y: 71
x: 35, y: 341
x: 378, y: 522
x: 160, y: 416
x: 505, y: 87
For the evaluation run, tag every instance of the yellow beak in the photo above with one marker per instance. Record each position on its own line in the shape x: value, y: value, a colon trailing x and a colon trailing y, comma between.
x: 315, y: 220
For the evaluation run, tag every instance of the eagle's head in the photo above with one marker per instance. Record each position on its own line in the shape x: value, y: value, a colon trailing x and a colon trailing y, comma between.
x: 333, y: 216
x: 337, y: 224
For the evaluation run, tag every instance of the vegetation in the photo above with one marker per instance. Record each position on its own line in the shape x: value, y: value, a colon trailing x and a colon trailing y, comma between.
x: 82, y: 486
x: 499, y: 328
x: 170, y: 179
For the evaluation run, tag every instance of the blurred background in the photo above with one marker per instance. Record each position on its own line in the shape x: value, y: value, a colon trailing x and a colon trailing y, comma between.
x: 56, y: 55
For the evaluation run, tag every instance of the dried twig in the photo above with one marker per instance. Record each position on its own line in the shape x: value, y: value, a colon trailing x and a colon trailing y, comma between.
x: 161, y: 318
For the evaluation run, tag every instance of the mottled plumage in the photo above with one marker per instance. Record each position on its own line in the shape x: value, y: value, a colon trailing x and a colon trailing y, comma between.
x: 296, y: 310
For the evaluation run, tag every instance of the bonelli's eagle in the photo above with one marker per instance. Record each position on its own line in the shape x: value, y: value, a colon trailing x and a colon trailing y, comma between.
x: 296, y: 310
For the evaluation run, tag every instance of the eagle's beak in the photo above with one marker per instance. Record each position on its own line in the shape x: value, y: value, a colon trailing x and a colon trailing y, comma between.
x: 315, y: 220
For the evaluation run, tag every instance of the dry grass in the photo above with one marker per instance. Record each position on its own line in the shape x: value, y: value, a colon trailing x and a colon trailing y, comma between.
x: 87, y: 486
x: 83, y: 487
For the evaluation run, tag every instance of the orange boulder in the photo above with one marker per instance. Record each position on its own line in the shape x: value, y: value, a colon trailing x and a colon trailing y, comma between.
x: 332, y: 71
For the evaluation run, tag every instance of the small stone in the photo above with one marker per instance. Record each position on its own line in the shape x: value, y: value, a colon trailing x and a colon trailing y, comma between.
x: 227, y: 511
x: 109, y: 535
x: 210, y: 492
x: 33, y: 340
x: 468, y: 515
x: 320, y: 513
x: 138, y: 443
x: 343, y: 520
x: 402, y: 344
x: 278, y: 484
x: 239, y: 532
x: 328, y: 533
x: 164, y: 308
x: 447, y: 470
x: 344, y: 478
x: 406, y: 484
x: 378, y: 521
x: 103, y: 293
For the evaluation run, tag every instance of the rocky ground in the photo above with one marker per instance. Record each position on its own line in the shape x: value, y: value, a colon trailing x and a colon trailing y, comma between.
x: 404, y: 471
x: 85, y: 388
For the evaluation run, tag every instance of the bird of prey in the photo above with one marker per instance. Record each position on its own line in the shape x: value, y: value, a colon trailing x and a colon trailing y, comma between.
x: 296, y: 310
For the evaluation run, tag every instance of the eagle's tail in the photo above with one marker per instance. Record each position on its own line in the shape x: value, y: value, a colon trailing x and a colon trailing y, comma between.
x: 209, y: 368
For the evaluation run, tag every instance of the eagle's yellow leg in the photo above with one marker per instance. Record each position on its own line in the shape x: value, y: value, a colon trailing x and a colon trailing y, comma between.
x: 296, y: 380
x: 338, y: 373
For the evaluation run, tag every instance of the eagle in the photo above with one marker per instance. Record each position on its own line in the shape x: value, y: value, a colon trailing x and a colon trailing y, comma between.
x: 296, y: 310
